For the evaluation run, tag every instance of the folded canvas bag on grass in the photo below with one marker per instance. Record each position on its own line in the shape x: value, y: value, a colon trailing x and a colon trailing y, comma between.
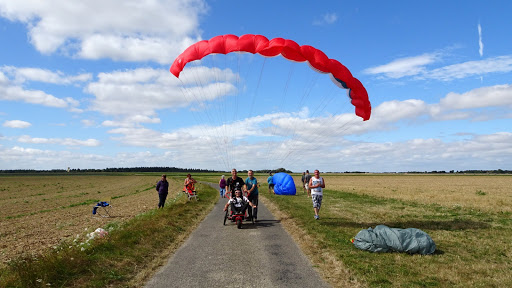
x: 385, y: 239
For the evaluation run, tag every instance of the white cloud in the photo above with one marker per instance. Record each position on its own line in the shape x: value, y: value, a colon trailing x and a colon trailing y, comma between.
x: 120, y: 92
x: 328, y: 18
x: 393, y: 111
x: 417, y: 67
x: 478, y: 152
x: 494, y: 96
x: 11, y: 90
x: 88, y: 122
x: 480, y: 42
x: 59, y: 141
x: 16, y: 124
x: 15, y: 93
x: 130, y: 121
x: 29, y: 158
x: 21, y: 75
x: 409, y: 66
x: 136, y: 31
x: 501, y: 64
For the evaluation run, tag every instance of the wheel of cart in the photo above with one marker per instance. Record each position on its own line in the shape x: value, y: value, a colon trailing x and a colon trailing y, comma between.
x: 226, y: 215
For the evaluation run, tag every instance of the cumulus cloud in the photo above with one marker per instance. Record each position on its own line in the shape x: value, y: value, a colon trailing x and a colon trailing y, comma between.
x: 59, y: 141
x: 26, y: 74
x: 16, y: 93
x: 158, y: 31
x: 493, y: 96
x: 475, y: 152
x: 11, y: 79
x: 116, y: 92
x: 16, y: 124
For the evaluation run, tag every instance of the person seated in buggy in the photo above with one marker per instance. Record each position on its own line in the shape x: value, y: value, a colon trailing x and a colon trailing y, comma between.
x: 239, y: 204
x: 189, y: 183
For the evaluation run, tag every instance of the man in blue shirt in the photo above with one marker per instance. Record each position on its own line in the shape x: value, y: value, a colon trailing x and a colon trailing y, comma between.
x: 270, y: 181
x: 252, y: 193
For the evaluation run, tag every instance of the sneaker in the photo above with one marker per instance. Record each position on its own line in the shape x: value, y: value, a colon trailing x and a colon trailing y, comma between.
x: 317, y: 217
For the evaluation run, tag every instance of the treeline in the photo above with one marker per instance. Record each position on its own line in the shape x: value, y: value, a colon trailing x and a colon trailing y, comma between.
x: 129, y: 169
x: 134, y: 169
x: 499, y: 171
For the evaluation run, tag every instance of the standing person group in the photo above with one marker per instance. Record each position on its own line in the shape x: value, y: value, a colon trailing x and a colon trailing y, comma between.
x: 236, y: 184
x: 163, y: 189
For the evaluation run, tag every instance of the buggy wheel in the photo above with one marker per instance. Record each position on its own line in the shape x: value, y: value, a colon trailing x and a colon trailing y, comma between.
x: 239, y: 223
x: 226, y: 217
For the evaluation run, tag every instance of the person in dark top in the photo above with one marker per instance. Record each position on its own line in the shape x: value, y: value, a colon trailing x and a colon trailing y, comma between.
x: 163, y: 189
x: 307, y: 177
x: 234, y: 183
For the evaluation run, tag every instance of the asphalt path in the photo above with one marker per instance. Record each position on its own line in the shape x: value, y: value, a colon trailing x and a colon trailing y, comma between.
x: 217, y: 255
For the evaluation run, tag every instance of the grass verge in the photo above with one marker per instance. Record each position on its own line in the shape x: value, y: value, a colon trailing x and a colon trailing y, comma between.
x: 473, y: 247
x: 125, y: 258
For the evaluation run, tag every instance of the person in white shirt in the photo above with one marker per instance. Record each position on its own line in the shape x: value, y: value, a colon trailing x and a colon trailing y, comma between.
x: 316, y: 184
x: 239, y: 203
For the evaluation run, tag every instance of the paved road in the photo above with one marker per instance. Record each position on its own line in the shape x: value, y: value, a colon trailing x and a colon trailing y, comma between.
x: 259, y: 255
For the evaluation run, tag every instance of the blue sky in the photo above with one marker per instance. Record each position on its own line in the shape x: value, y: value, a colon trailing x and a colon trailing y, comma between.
x: 88, y: 86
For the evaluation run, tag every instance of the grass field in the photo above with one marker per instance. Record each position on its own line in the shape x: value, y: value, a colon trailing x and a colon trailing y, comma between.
x: 468, y: 216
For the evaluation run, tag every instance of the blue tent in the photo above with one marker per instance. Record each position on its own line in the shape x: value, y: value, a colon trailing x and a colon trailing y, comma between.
x: 283, y: 184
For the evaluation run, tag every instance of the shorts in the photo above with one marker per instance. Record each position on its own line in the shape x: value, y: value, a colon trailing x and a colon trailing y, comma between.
x: 271, y: 186
x: 306, y: 185
x: 317, y: 201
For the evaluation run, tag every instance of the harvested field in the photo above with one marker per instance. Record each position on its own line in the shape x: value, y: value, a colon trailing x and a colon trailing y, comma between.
x: 39, y: 212
x: 490, y: 193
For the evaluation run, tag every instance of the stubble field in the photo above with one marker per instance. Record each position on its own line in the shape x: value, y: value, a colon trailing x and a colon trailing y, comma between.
x: 38, y: 212
x: 491, y: 193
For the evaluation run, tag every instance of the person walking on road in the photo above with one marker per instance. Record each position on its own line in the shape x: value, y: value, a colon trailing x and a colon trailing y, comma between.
x: 316, y: 184
x: 234, y: 183
x: 252, y: 193
x: 163, y: 189
x: 222, y: 186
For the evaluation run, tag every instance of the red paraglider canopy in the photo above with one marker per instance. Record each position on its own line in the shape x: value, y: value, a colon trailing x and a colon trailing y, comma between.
x: 258, y: 44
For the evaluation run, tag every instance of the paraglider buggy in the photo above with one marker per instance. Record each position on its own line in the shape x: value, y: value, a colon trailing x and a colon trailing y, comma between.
x: 237, y: 216
x: 237, y: 210
x: 190, y: 191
